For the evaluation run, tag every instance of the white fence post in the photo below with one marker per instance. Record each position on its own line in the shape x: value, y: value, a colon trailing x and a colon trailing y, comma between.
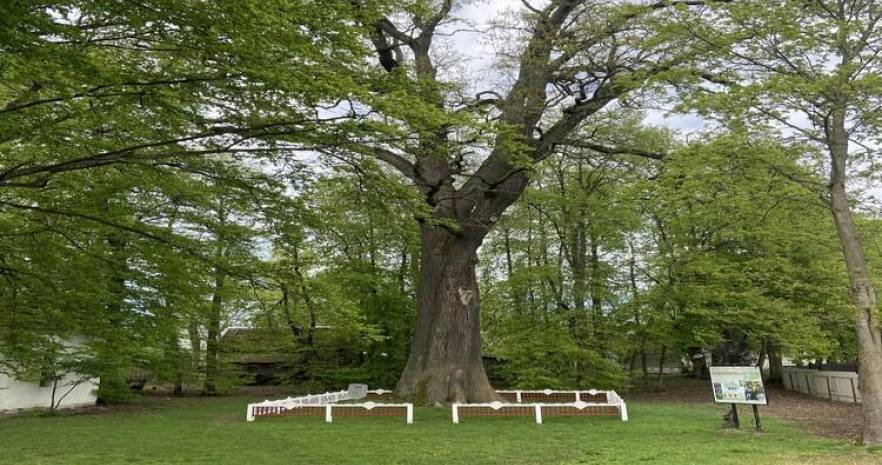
x: 518, y: 395
x: 409, y: 414
x: 624, y: 409
x: 455, y: 413
x: 578, y: 396
x: 328, y: 416
x: 249, y: 415
x: 538, y: 414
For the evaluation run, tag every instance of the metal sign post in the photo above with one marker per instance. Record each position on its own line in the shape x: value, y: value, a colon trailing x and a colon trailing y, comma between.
x: 735, y: 419
x: 756, y: 418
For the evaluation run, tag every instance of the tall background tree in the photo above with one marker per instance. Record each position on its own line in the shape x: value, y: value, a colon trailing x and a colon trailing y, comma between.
x: 809, y: 70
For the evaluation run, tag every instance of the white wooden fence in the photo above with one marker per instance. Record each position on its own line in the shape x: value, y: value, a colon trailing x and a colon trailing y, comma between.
x: 841, y: 386
x: 553, y: 396
x: 370, y: 409
x: 612, y: 406
x: 325, y: 404
x: 269, y: 407
x: 518, y: 403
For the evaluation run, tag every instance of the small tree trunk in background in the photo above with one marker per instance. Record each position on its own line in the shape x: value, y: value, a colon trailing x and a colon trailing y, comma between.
x: 516, y: 294
x: 445, y: 363
x: 643, y: 362
x: 632, y: 363
x: 661, y: 366
x: 699, y: 364
x: 114, y: 346
x: 52, y: 405
x: 776, y: 367
x: 309, y: 303
x: 635, y: 296
x: 179, y: 385
x: 597, y: 290
x: 211, y: 343
x: 195, y: 344
x: 761, y: 359
x: 181, y: 363
x: 402, y: 270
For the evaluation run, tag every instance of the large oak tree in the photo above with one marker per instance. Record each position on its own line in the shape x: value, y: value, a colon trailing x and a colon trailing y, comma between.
x: 574, y: 59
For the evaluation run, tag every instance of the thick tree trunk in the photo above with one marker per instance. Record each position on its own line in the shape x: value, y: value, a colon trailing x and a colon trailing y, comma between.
x: 869, y: 336
x: 445, y: 362
x: 869, y: 339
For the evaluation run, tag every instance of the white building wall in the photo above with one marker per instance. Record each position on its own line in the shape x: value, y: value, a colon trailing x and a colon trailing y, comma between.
x: 16, y: 395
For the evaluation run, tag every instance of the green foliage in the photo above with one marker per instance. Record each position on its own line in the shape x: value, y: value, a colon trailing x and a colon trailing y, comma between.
x: 114, y: 391
x: 607, y: 260
x: 741, y: 250
x: 558, y: 251
x: 131, y: 180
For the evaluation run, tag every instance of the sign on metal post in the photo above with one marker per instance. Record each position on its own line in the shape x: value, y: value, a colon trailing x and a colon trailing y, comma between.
x: 739, y: 385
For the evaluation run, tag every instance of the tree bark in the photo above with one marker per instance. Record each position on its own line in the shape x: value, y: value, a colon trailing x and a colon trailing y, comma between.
x: 863, y: 294
x: 445, y: 363
x: 597, y: 288
x: 661, y: 367
x: 776, y: 366
x: 513, y: 287
x: 195, y: 343
x: 307, y: 300
x: 761, y: 358
x: 211, y: 342
x: 699, y: 363
x: 644, y: 364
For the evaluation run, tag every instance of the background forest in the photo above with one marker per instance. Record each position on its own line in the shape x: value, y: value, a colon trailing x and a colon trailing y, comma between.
x: 606, y: 259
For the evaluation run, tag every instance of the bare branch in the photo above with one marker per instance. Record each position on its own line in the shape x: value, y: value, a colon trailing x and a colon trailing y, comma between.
x: 614, y: 150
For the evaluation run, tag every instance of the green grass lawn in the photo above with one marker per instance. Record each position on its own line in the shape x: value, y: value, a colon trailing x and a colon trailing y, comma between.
x: 213, y: 431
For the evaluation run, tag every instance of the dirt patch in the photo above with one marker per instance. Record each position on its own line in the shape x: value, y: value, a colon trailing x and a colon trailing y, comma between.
x: 839, y: 460
x: 834, y: 419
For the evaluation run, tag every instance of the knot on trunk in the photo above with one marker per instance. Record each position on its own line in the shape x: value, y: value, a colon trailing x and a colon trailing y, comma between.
x: 456, y: 389
x: 466, y: 296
